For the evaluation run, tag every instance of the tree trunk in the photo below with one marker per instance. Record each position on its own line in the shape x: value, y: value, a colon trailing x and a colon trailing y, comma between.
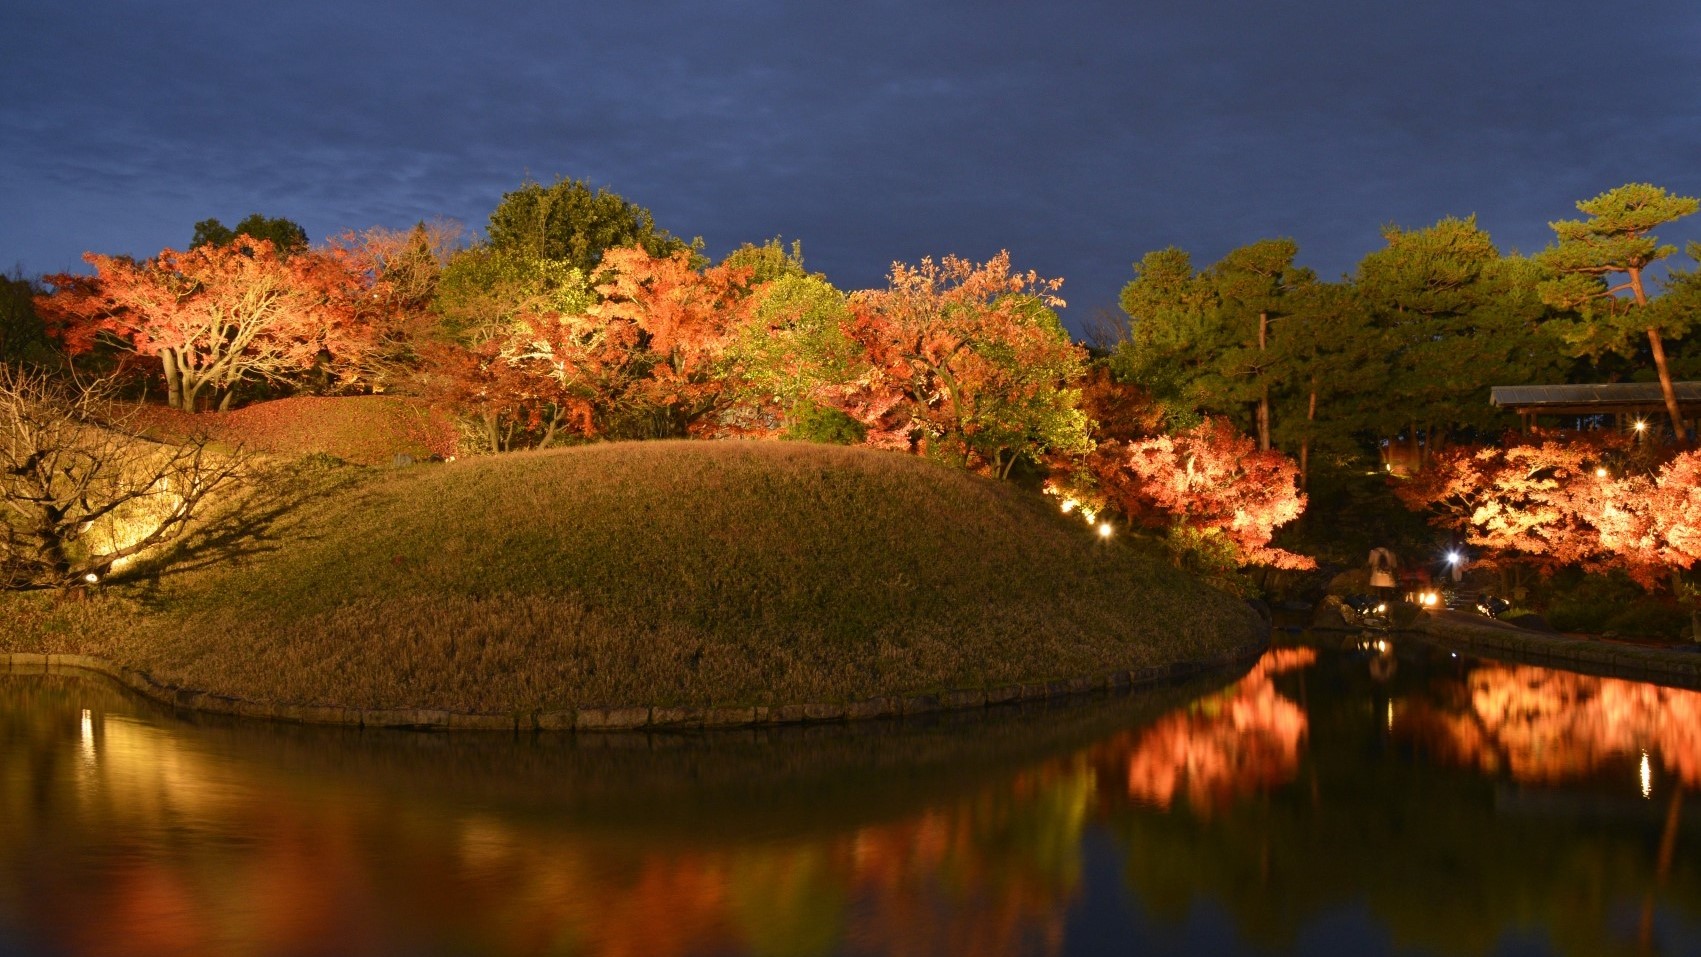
x: 229, y: 396
x: 1305, y: 442
x: 1666, y: 389
x: 1659, y: 350
x: 173, y: 379
x: 1263, y: 385
x: 50, y: 543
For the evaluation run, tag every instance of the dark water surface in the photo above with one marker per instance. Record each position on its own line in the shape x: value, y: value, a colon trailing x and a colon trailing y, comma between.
x: 1331, y: 801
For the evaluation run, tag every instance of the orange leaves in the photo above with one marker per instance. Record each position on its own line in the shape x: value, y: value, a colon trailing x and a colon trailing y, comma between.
x: 1210, y: 479
x: 1568, y: 500
x: 977, y: 362
x: 218, y: 316
x: 682, y: 320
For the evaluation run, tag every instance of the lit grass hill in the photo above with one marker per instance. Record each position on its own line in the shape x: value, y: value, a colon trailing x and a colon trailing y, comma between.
x: 658, y: 573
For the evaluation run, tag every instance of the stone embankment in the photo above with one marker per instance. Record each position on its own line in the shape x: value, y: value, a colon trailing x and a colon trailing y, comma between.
x: 629, y: 718
x: 1669, y: 665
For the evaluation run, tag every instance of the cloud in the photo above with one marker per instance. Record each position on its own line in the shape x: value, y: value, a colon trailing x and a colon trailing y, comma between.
x: 1077, y: 136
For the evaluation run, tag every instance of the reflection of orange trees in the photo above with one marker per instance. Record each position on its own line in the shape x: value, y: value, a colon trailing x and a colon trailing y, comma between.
x: 1241, y: 741
x: 1540, y: 725
x: 199, y: 856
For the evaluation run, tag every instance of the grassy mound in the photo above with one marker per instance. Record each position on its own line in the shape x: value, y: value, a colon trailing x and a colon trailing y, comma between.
x: 364, y: 429
x: 666, y: 573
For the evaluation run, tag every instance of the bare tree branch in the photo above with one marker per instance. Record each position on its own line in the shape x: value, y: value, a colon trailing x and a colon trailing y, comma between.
x: 82, y: 491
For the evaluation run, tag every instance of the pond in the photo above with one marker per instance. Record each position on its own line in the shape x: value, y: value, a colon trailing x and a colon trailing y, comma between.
x: 1342, y: 797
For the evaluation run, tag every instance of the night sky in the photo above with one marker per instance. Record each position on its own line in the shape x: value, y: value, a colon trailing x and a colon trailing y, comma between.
x: 1077, y: 135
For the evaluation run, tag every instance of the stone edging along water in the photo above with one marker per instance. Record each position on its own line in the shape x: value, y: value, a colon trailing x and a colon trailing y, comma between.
x: 1493, y: 639
x: 627, y: 718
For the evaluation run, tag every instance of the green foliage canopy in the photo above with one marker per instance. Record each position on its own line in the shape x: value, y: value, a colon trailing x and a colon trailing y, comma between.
x: 286, y: 235
x: 569, y: 222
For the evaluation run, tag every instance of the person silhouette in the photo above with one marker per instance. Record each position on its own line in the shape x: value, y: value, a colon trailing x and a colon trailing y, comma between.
x: 1383, y: 568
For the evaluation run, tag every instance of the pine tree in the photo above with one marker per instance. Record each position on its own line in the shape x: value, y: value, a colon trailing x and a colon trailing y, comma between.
x: 1617, y: 238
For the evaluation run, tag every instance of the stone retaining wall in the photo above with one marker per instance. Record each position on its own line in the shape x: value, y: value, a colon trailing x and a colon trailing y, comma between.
x: 1677, y: 666
x: 626, y: 718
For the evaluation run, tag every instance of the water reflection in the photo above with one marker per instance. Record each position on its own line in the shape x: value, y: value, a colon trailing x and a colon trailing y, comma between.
x: 1541, y: 725
x: 1489, y: 813
x: 1223, y: 747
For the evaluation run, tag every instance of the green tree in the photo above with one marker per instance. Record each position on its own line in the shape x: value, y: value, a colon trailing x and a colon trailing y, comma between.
x: 1329, y: 359
x: 482, y: 290
x: 570, y: 222
x: 286, y: 235
x: 1256, y: 285
x: 1617, y: 238
x: 22, y: 335
x: 769, y: 261
x: 1202, y: 341
x: 1175, y: 332
x: 1677, y: 307
x: 1455, y: 318
x: 791, y: 351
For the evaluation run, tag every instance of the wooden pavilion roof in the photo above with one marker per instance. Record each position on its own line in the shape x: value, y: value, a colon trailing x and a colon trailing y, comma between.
x: 1597, y: 399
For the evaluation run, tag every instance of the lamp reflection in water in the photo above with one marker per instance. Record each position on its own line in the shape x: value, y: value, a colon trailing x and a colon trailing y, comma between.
x: 1647, y: 776
x: 86, y: 740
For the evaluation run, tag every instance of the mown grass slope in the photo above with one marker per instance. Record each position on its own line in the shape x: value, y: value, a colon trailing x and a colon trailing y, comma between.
x: 664, y: 573
x: 364, y: 429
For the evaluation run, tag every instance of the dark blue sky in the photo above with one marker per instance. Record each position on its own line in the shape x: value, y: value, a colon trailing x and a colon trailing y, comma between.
x: 1077, y: 135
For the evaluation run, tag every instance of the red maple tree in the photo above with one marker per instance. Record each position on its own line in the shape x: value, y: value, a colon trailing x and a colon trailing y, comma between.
x: 966, y: 362
x: 219, y: 316
x: 680, y: 321
x: 1590, y: 500
x: 1210, y: 481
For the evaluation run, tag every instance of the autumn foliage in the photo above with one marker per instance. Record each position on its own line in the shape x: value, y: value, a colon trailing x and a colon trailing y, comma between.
x: 1591, y: 500
x: 217, y: 317
x: 1210, y: 481
x: 968, y: 363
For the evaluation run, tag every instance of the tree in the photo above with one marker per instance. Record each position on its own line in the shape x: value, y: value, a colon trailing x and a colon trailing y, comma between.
x: 567, y: 221
x: 22, y: 333
x: 1175, y: 331
x: 515, y: 354
x: 219, y: 316
x: 1455, y: 318
x: 683, y: 320
x: 1256, y: 285
x: 769, y: 261
x: 286, y: 236
x: 1329, y: 361
x: 1617, y: 238
x: 792, y: 361
x: 1206, y: 341
x: 1561, y: 500
x: 1211, y: 486
x: 402, y: 269
x: 969, y: 363
x: 80, y: 493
